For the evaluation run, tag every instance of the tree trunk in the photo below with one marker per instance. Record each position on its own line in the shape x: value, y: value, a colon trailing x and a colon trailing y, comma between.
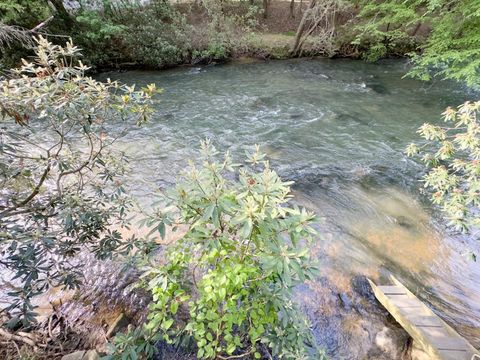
x: 265, y: 8
x: 300, y: 8
x: 417, y: 27
x: 63, y: 13
x: 292, y: 8
x: 301, y: 28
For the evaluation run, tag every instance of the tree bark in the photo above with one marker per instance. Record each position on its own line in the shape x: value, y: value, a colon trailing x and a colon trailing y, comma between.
x: 292, y: 8
x: 301, y: 27
x: 300, y: 8
x: 63, y: 14
x: 417, y: 27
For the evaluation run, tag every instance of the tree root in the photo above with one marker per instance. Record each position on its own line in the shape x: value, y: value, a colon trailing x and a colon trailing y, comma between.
x: 22, y: 337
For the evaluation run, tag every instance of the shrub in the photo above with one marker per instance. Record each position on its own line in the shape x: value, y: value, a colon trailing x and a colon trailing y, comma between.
x: 61, y: 183
x: 224, y: 29
x: 24, y: 13
x: 151, y: 35
x: 450, y: 48
x: 214, y: 52
x: 227, y: 282
x: 97, y: 31
x: 452, y: 154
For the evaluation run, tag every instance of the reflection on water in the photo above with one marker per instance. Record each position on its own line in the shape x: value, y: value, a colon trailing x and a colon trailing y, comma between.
x: 338, y: 129
x: 382, y: 230
x: 396, y: 228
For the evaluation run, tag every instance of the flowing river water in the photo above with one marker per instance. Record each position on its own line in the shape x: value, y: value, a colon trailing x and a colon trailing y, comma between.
x: 338, y: 128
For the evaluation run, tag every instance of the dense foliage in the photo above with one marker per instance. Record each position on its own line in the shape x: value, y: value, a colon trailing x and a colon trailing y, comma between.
x: 153, y: 34
x: 227, y: 282
x: 452, y: 154
x: 444, y: 35
x: 130, y: 32
x: 61, y: 190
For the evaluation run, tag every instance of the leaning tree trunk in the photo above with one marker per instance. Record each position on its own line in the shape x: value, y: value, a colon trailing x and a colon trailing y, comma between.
x: 318, y: 19
x: 417, y: 27
x: 301, y: 28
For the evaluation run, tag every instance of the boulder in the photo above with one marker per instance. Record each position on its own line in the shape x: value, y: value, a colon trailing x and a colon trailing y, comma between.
x: 77, y: 355
x: 82, y: 355
x: 391, y: 342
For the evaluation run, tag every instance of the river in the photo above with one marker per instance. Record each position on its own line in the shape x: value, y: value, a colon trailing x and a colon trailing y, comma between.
x: 338, y: 128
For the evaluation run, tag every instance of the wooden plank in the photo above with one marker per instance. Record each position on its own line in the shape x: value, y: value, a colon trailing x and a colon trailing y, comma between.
x: 455, y: 355
x: 405, y: 301
x: 442, y: 339
x: 424, y: 321
x: 417, y: 312
x: 399, y: 284
x: 392, y: 290
x: 435, y: 336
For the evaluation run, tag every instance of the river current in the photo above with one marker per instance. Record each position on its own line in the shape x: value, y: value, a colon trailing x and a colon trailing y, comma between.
x: 338, y: 128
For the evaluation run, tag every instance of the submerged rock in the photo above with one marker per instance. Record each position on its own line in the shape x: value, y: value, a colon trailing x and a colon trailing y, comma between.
x: 361, y: 286
x: 91, y: 355
x: 82, y: 355
x: 77, y: 355
x: 347, y: 320
x: 378, y: 88
x: 392, y: 343
x: 417, y: 352
x: 347, y: 304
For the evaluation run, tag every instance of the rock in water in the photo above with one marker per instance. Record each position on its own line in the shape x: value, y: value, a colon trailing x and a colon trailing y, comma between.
x: 77, y: 355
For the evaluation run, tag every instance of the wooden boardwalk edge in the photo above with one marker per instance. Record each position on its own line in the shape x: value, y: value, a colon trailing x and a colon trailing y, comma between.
x: 434, y: 335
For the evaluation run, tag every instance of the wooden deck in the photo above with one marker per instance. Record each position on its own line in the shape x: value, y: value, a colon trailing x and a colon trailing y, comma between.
x: 433, y: 334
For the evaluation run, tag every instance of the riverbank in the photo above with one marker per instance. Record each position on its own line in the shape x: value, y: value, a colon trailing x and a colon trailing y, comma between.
x: 198, y: 35
x: 249, y: 34
x: 158, y: 35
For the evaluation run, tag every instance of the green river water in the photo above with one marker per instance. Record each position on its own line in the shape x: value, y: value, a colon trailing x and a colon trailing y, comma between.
x: 338, y: 128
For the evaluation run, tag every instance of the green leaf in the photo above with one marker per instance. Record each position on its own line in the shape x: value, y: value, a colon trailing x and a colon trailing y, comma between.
x: 166, y: 324
x: 208, y: 212
x: 230, y: 349
x: 174, y: 307
x: 161, y: 229
x: 222, y: 293
x: 209, y: 336
x: 216, y: 217
x: 246, y: 229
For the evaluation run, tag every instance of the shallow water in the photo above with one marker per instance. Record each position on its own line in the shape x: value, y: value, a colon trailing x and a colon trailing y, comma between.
x: 338, y: 128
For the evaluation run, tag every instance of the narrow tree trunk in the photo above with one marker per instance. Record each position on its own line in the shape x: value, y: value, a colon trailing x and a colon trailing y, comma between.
x: 300, y: 8
x: 265, y: 9
x: 292, y: 8
x: 301, y: 28
x: 416, y: 29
